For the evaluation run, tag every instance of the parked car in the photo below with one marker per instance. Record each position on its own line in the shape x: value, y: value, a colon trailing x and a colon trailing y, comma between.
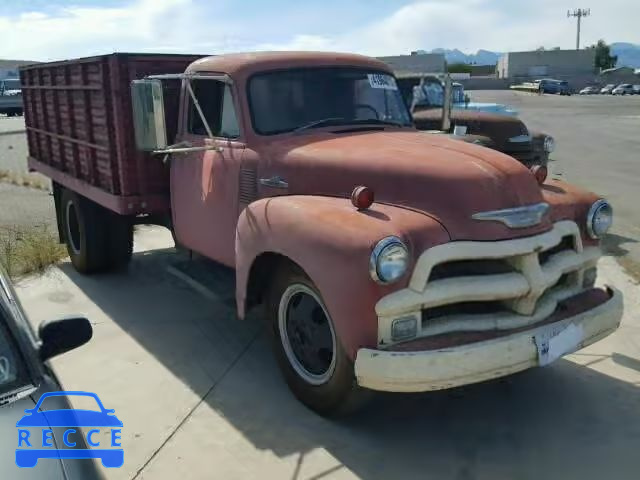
x: 493, y: 125
x: 589, y: 91
x: 25, y: 376
x: 636, y: 89
x: 623, y: 89
x: 550, y: 85
x: 607, y: 89
x: 385, y: 258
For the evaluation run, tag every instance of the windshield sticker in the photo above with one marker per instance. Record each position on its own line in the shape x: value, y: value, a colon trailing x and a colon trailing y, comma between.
x: 378, y: 80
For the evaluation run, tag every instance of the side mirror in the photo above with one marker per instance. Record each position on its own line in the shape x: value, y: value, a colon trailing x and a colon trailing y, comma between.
x: 60, y: 336
x: 148, y: 115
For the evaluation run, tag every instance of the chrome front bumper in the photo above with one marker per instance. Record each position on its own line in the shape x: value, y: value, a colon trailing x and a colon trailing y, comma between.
x: 399, y: 371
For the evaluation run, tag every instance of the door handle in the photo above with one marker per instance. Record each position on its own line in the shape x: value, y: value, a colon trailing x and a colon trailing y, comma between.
x: 274, y: 182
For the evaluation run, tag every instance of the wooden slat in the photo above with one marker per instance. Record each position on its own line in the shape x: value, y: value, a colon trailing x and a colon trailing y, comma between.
x: 61, y: 87
x: 75, y: 155
x: 69, y: 139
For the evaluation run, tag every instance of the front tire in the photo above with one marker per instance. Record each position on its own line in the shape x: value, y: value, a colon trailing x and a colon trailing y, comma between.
x: 307, y: 348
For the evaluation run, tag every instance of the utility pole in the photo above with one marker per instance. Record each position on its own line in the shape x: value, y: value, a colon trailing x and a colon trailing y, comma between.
x: 578, y: 13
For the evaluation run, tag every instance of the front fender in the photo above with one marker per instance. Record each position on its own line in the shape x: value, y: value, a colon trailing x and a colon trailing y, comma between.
x: 332, y: 242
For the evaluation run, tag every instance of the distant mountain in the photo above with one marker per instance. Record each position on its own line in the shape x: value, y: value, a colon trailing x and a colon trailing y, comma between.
x: 628, y: 55
x: 481, y: 57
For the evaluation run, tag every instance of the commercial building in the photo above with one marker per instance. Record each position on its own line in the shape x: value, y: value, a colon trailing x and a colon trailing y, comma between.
x: 547, y: 63
x: 416, y: 63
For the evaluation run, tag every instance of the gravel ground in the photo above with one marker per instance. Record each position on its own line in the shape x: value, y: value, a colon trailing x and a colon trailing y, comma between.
x: 20, y: 206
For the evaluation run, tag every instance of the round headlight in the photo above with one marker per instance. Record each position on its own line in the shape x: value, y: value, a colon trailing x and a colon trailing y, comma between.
x: 549, y: 144
x: 599, y: 218
x: 389, y: 260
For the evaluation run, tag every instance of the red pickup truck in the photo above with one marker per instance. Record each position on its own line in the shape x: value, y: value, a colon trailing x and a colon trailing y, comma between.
x: 387, y: 258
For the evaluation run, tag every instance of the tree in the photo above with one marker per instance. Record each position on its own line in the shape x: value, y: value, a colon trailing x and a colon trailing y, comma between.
x: 459, y: 68
x: 604, y: 59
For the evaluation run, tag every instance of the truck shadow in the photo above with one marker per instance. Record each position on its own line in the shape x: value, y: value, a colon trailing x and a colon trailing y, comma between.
x: 563, y: 421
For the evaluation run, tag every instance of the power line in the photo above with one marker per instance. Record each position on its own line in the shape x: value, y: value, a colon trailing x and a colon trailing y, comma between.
x: 578, y: 13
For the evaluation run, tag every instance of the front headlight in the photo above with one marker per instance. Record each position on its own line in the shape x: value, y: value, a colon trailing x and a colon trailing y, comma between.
x: 549, y: 144
x: 389, y: 260
x: 599, y: 218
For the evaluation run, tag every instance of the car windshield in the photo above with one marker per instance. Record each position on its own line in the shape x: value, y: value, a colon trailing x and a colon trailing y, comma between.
x: 431, y: 94
x: 288, y: 100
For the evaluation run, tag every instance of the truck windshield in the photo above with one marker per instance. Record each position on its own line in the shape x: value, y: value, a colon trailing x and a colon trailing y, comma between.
x: 288, y: 100
x: 431, y: 94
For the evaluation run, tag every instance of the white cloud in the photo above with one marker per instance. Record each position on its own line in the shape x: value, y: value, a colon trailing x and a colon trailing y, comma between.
x: 473, y: 24
x: 205, y: 27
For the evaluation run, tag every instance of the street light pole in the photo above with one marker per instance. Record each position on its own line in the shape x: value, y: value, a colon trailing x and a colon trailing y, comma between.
x: 579, y: 13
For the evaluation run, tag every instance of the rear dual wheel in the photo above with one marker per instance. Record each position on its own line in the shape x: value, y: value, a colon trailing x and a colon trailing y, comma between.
x: 306, y: 345
x: 96, y: 238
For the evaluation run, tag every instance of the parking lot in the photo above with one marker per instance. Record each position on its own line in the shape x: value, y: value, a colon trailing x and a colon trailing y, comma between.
x: 200, y: 395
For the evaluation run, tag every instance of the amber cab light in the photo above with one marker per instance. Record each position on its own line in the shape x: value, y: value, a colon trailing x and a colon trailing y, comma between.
x: 540, y: 172
x: 362, y: 197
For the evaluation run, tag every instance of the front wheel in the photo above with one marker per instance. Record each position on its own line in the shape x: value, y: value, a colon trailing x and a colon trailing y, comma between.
x: 307, y: 347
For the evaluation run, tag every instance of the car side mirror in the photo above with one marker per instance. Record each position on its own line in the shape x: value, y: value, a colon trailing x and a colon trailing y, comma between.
x: 60, y: 336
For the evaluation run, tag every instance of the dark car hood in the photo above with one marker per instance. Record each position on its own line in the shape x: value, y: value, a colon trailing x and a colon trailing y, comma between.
x: 497, y: 127
x: 446, y: 179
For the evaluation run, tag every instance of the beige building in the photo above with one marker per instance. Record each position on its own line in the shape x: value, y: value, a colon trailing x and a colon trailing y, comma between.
x: 546, y: 63
x: 416, y: 63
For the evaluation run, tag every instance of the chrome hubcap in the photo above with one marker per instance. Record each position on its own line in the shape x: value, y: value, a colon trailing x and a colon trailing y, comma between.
x: 307, y: 334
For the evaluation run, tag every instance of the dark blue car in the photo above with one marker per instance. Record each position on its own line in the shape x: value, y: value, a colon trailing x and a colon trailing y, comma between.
x: 550, y: 85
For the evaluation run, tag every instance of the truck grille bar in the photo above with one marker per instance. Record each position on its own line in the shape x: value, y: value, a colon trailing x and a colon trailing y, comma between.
x: 481, y: 286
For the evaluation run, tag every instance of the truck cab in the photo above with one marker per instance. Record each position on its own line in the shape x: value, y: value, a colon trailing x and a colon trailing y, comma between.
x: 384, y: 258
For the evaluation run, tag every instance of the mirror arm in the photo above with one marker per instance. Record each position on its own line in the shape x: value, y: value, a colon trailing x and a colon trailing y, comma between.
x: 197, y: 105
x: 187, y: 149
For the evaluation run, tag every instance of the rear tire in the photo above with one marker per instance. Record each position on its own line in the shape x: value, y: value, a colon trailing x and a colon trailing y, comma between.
x: 96, y: 238
x: 302, y: 335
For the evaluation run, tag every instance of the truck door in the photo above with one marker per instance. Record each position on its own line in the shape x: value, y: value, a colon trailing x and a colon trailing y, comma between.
x: 204, y: 185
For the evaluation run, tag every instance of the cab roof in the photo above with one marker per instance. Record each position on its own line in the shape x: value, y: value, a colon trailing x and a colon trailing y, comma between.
x: 245, y: 64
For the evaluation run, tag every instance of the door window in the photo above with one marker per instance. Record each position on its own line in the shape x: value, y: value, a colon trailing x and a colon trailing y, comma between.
x: 216, y: 101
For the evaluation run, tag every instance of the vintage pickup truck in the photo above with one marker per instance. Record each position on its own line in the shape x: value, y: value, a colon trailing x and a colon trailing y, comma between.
x: 386, y: 258
x: 498, y: 127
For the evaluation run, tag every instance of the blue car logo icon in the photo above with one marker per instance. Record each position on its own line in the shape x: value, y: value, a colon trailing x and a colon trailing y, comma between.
x: 70, y: 419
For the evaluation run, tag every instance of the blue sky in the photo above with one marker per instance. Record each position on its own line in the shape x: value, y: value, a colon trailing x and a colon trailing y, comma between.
x: 55, y: 29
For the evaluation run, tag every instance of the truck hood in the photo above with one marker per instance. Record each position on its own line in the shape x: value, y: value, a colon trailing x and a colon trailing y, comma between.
x: 441, y: 177
x: 499, y: 128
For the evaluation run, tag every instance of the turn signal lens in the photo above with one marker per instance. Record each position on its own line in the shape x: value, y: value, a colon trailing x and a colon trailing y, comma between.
x: 540, y: 172
x: 362, y: 197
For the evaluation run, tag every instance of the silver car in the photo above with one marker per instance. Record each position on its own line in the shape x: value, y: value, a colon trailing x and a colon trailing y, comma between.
x: 623, y: 89
x: 25, y: 376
